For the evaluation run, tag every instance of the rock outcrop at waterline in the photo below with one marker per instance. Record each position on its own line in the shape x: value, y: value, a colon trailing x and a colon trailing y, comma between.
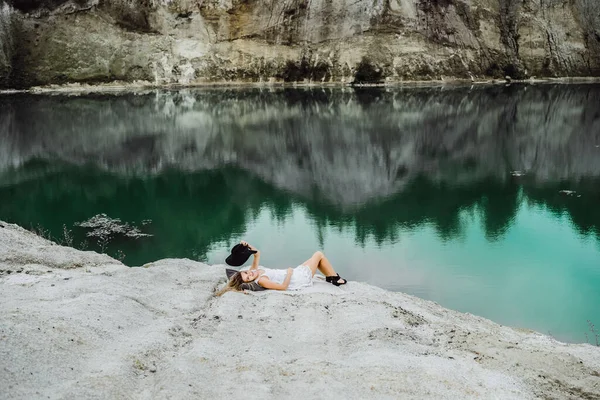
x: 102, y: 330
x: 187, y: 42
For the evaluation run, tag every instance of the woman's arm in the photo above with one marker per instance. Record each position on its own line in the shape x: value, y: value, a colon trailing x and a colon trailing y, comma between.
x: 269, y: 284
x: 256, y: 259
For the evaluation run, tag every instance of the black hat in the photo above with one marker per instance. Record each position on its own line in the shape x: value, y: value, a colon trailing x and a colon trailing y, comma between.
x: 239, y: 255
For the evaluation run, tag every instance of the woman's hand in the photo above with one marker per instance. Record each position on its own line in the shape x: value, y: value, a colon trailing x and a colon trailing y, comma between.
x: 290, y: 271
x: 244, y: 243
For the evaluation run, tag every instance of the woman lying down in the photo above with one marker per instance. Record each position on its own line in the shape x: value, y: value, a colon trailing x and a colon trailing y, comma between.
x: 277, y: 279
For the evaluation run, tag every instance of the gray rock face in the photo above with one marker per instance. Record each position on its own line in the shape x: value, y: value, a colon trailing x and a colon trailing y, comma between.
x: 6, y: 42
x: 190, y: 42
x: 107, y: 331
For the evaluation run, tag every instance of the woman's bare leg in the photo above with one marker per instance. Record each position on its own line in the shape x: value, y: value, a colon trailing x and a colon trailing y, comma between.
x: 314, y: 262
x: 320, y: 262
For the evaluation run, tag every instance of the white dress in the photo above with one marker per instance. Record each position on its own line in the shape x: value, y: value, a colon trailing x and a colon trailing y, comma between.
x: 301, y: 276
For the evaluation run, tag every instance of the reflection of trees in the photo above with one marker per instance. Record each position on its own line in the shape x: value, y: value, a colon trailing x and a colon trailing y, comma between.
x: 189, y: 212
x: 583, y: 211
x: 441, y: 205
x: 423, y: 202
x: 499, y: 206
x: 193, y: 211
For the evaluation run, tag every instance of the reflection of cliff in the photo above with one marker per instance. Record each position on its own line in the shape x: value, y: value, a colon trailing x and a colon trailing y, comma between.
x: 348, y: 146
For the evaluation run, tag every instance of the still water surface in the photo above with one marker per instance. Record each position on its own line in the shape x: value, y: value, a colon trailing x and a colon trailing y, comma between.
x: 413, y: 190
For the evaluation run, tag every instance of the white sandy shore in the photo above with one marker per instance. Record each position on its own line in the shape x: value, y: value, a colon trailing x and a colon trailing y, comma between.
x: 79, y: 325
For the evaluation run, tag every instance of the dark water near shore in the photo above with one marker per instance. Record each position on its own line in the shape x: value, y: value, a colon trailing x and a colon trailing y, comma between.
x: 408, y: 189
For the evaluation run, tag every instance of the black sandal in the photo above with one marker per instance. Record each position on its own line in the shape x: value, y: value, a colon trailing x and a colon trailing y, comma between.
x: 335, y: 280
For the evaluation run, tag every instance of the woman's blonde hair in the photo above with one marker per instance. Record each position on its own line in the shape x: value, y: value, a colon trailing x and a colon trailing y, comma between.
x: 234, y: 284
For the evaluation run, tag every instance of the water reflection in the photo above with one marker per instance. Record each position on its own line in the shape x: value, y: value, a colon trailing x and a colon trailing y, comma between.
x: 193, y: 211
x: 371, y: 158
x: 307, y: 141
x: 420, y: 179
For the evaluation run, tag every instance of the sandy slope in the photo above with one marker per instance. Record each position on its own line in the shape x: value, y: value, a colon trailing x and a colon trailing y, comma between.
x: 102, y: 330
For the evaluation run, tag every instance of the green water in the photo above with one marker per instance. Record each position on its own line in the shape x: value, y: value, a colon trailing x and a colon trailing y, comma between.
x: 411, y: 190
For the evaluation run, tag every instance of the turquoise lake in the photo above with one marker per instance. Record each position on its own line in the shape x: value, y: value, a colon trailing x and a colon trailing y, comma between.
x: 483, y: 199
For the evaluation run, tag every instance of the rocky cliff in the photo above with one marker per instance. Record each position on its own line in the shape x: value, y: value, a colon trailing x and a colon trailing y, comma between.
x: 195, y: 41
x: 6, y: 42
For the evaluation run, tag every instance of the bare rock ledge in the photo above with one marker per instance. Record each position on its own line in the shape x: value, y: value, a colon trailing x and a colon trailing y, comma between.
x: 79, y: 325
